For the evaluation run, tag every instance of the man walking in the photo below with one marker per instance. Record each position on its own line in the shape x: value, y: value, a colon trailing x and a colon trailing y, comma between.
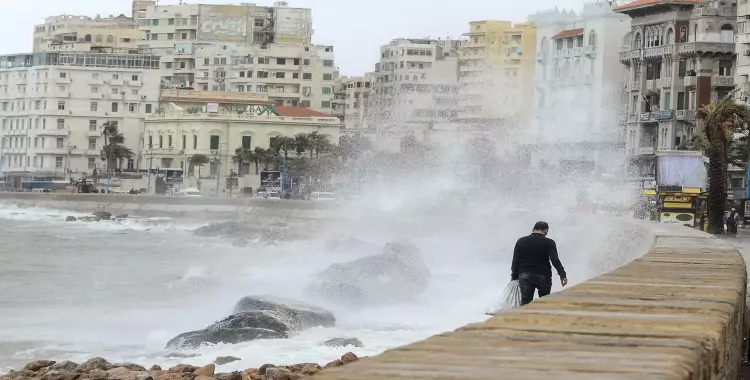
x: 531, y: 263
x: 732, y: 221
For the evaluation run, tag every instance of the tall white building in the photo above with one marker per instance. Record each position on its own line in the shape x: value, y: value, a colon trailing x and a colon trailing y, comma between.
x: 415, y: 88
x: 357, y: 92
x: 743, y: 52
x: 53, y: 106
x: 577, y: 87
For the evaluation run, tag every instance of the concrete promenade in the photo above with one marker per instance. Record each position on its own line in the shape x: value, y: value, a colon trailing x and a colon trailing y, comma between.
x: 676, y: 313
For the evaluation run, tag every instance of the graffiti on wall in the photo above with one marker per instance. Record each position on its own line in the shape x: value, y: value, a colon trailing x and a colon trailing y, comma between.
x: 226, y: 23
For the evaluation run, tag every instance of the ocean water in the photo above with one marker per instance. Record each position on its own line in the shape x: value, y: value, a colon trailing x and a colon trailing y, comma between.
x: 121, y: 290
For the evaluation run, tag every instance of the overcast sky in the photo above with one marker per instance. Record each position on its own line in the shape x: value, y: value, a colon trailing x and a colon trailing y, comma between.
x: 356, y: 28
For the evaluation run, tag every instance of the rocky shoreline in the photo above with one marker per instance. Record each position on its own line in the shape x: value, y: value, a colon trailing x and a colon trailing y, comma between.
x: 101, y: 369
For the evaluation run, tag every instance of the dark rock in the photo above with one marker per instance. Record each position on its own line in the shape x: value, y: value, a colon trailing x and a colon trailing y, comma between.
x: 334, y: 364
x: 262, y: 370
x: 248, y: 232
x: 131, y: 367
x: 70, y: 219
x: 257, y: 318
x: 396, y: 275
x: 38, y: 364
x: 349, y: 358
x: 92, y: 364
x: 53, y: 375
x: 221, y: 360
x: 122, y: 216
x: 183, y: 368
x: 181, y: 356
x: 155, y: 368
x: 22, y: 374
x: 229, y: 376
x: 305, y: 368
x: 102, y: 215
x: 282, y: 374
x: 65, y: 365
x: 343, y: 342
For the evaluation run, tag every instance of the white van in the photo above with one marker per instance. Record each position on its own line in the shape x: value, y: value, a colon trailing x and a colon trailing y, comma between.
x: 189, y: 192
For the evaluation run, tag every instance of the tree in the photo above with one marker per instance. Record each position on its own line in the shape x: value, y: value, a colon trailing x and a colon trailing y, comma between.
x: 409, y: 144
x: 318, y: 143
x: 197, y: 160
x: 114, y: 148
x: 301, y: 143
x: 242, y: 155
x: 722, y: 119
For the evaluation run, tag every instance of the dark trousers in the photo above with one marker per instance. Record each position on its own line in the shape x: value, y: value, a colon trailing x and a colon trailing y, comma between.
x: 732, y: 228
x: 529, y: 282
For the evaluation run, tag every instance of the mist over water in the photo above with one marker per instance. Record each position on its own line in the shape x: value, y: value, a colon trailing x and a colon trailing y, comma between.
x: 121, y: 290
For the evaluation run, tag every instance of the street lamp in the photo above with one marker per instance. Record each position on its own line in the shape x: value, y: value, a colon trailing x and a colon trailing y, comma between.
x: 218, y: 168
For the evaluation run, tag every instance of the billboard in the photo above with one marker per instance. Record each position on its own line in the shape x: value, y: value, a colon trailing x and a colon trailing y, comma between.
x: 293, y: 25
x: 225, y: 23
x: 270, y: 179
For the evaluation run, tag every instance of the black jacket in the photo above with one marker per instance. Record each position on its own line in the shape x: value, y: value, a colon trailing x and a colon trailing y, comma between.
x: 533, y: 254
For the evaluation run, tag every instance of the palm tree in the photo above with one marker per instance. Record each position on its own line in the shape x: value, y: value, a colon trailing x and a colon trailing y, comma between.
x: 722, y: 119
x: 302, y: 142
x: 319, y: 143
x: 242, y: 155
x: 114, y: 148
x: 258, y: 154
x: 197, y: 160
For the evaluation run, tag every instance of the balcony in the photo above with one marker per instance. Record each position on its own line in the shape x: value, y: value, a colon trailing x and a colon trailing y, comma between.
x: 590, y: 51
x: 53, y: 132
x: 646, y: 150
x: 541, y: 56
x: 632, y: 119
x: 116, y: 82
x: 96, y: 81
x: 722, y: 81
x: 690, y: 81
x: 65, y: 80
x: 53, y: 151
x: 117, y: 96
x: 685, y: 115
x: 691, y: 48
x: 135, y: 83
x: 665, y: 82
x: 665, y: 115
x: 634, y: 86
x: 646, y: 117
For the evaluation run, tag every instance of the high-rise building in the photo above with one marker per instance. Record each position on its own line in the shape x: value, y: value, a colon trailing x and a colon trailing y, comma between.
x: 53, y: 106
x: 113, y: 34
x: 496, y: 72
x: 357, y: 92
x: 742, y: 76
x: 415, y: 87
x: 679, y: 57
x: 577, y: 86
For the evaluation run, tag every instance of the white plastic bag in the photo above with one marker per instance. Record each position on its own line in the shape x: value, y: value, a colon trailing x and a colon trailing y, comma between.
x: 511, y: 298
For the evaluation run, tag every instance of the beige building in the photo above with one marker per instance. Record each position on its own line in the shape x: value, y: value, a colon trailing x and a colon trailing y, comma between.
x: 357, y: 92
x: 83, y: 33
x: 215, y: 124
x: 53, y: 106
x: 496, y: 71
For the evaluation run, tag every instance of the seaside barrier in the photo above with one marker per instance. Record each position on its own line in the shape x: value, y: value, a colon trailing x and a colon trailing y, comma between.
x: 677, y: 312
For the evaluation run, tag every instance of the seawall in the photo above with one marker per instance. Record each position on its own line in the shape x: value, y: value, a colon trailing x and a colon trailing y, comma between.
x: 675, y: 313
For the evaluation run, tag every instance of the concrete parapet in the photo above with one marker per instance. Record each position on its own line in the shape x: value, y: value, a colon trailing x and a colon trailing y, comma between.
x: 675, y: 313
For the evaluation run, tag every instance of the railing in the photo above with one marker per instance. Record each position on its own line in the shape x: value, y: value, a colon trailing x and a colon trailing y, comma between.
x: 645, y: 116
x: 687, y: 115
x: 690, y: 81
x: 662, y: 115
x: 665, y: 82
x: 235, y: 116
x: 590, y: 50
x: 722, y: 81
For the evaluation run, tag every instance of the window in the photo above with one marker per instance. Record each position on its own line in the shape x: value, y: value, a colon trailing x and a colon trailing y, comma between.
x: 727, y: 33
x: 92, y: 125
x: 148, y: 108
x: 115, y: 91
x: 115, y: 107
x: 307, y: 76
x: 60, y: 143
x: 155, y: 22
x: 691, y: 100
x: 61, y: 105
x: 326, y: 90
x: 681, y: 68
x: 281, y: 61
x: 667, y: 100
x: 134, y: 78
x: 258, y: 22
x: 737, y: 183
x: 94, y: 90
x: 680, y: 100
x: 262, y: 88
x: 246, y: 140
x: 60, y: 123
x: 325, y: 104
x: 725, y: 68
x: 295, y: 75
x: 92, y: 143
x: 92, y: 162
x: 94, y: 106
x: 264, y: 60
x: 296, y: 61
x: 58, y: 162
x: 327, y: 76
x: 214, y: 142
x: 63, y: 75
x: 195, y: 141
x: 306, y: 62
x: 242, y: 74
x: 280, y: 75
x: 262, y: 74
x: 170, y: 21
x: 132, y: 107
x: 169, y: 141
x: 151, y: 141
x: 184, y: 141
x: 328, y: 63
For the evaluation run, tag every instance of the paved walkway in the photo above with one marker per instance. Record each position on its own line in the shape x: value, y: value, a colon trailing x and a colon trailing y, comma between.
x: 742, y: 243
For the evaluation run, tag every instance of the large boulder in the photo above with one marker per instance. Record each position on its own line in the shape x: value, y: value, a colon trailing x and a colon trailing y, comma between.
x: 257, y: 318
x: 242, y: 233
x: 398, y: 274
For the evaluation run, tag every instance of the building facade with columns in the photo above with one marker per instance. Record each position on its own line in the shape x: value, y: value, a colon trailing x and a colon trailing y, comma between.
x: 679, y: 56
x: 216, y: 124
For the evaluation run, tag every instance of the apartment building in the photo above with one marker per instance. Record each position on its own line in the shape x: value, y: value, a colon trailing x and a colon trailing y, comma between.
x: 679, y: 56
x: 53, y: 106
x: 338, y: 104
x: 742, y: 76
x: 83, y: 33
x: 215, y: 124
x: 357, y: 92
x: 415, y: 87
x: 496, y: 72
x: 577, y: 82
